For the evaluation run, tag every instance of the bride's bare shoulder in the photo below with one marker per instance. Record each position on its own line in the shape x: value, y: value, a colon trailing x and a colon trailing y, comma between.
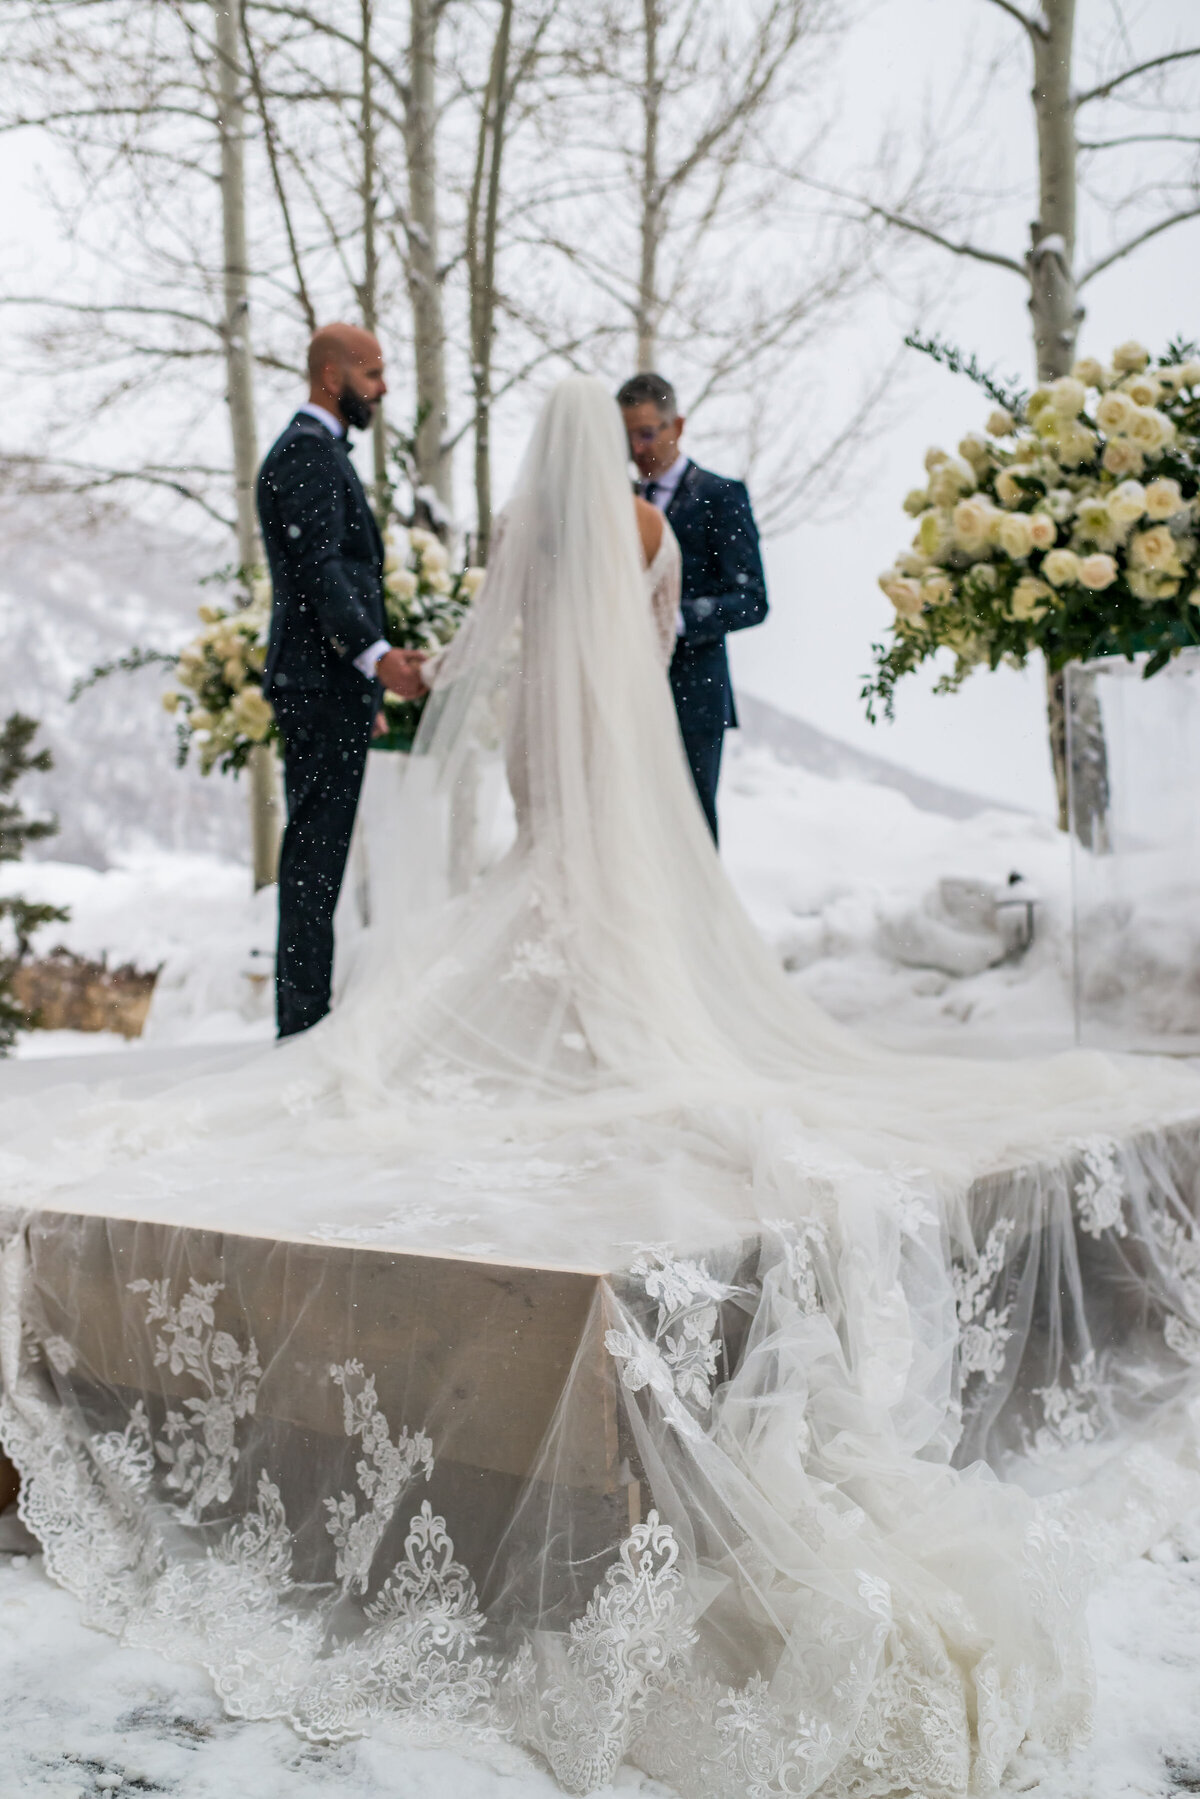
x: 650, y: 528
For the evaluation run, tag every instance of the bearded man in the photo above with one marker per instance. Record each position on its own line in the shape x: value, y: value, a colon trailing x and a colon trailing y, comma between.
x: 328, y: 655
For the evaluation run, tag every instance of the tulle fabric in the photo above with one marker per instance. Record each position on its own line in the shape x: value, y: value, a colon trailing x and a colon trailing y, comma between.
x: 579, y: 1344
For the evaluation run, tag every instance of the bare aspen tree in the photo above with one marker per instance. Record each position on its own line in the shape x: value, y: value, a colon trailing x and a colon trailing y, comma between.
x: 433, y: 461
x: 1049, y: 269
x: 239, y: 378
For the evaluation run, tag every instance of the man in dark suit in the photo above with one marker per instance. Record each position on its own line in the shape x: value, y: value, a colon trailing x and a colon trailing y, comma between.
x: 724, y: 588
x: 327, y: 654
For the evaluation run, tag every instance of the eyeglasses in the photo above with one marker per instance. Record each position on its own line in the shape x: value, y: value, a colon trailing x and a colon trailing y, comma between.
x: 646, y: 434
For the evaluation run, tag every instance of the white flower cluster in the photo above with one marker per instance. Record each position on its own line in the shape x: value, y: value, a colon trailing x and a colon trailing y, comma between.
x: 219, y: 699
x: 1092, y: 493
x: 426, y: 604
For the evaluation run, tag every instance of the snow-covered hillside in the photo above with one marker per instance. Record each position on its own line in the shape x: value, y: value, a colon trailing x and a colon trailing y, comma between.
x: 71, y: 598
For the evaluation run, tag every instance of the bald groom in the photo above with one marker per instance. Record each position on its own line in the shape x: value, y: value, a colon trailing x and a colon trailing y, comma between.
x: 328, y: 654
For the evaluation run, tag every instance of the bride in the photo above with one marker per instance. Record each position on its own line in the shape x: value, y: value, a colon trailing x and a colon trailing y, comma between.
x: 884, y: 1355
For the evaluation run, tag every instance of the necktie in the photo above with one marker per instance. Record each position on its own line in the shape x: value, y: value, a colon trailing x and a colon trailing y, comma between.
x: 651, y: 493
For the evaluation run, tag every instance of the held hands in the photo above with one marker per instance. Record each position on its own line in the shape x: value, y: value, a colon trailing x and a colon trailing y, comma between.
x: 400, y: 672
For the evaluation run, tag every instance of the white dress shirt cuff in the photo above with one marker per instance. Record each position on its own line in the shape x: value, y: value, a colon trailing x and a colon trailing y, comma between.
x: 368, y: 662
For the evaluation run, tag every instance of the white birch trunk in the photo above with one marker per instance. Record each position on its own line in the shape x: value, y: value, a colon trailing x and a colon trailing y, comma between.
x: 651, y: 191
x: 425, y: 290
x: 239, y: 391
x: 1056, y: 314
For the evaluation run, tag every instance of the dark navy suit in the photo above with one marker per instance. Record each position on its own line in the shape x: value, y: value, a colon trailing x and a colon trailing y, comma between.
x: 326, y: 558
x: 724, y: 589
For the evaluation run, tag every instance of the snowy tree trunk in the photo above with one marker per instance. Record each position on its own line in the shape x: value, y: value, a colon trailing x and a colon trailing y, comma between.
x: 646, y: 321
x: 369, y: 292
x: 1056, y: 314
x: 482, y: 225
x: 424, y: 276
x: 239, y: 391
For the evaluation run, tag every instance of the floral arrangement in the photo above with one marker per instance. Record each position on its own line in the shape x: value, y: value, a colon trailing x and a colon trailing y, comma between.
x: 219, y: 703
x: 1068, y: 526
x: 425, y: 605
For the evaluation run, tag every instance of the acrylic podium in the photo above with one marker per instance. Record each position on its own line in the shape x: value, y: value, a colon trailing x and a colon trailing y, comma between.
x: 1133, y: 753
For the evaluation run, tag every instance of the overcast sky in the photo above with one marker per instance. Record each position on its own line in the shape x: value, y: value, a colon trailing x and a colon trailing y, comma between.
x: 906, y: 58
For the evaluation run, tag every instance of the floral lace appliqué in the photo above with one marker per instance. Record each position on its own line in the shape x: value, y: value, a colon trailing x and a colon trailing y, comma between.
x: 983, y: 1331
x: 1100, y: 1194
x: 383, y: 1473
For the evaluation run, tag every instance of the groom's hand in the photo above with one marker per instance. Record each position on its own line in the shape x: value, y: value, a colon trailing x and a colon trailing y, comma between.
x: 400, y: 672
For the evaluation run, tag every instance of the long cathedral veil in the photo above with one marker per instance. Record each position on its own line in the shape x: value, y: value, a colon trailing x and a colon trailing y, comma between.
x: 803, y: 1285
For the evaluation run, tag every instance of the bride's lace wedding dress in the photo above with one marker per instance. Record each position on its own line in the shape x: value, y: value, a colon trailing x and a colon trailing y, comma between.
x: 579, y: 1344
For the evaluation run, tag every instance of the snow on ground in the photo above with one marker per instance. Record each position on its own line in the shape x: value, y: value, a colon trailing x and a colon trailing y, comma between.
x: 881, y: 910
x: 884, y: 914
x: 84, y: 1718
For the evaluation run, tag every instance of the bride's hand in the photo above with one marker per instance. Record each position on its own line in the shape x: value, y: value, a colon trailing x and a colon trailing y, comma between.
x: 401, y: 673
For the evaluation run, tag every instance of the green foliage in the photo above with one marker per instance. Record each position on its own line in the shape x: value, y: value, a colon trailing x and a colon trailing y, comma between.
x: 128, y: 664
x: 22, y: 917
x: 1014, y: 399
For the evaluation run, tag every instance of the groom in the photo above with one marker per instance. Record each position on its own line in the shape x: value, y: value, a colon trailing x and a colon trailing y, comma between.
x: 327, y: 654
x: 724, y: 588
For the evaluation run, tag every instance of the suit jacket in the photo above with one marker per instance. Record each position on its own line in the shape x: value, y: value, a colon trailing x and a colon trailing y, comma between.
x: 326, y: 558
x: 724, y: 589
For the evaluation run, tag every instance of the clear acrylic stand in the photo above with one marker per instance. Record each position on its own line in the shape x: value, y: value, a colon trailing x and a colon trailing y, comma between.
x: 1133, y: 757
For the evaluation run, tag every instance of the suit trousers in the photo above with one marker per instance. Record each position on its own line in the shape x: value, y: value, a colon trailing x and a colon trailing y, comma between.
x: 325, y: 742
x: 703, y: 752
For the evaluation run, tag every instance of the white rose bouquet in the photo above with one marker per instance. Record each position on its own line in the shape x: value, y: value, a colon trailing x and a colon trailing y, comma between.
x: 425, y: 605
x: 1069, y: 525
x: 218, y: 701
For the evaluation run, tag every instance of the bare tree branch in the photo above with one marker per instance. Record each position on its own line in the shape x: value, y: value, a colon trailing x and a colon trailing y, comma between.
x: 1106, y: 88
x: 1135, y: 243
x: 1033, y: 26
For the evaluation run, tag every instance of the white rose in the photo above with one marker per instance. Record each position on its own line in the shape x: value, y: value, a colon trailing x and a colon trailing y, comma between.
x: 1122, y: 457
x: 1097, y: 572
x: 1143, y: 389
x: 1164, y: 498
x: 1076, y: 444
x: 402, y: 584
x: 1127, y: 502
x: 1001, y: 422
x: 1130, y: 356
x: 1155, y: 549
x: 1189, y: 375
x: 472, y: 581
x: 973, y: 523
x: 1039, y: 399
x: 392, y: 561
x: 1043, y: 531
x: 1149, y: 429
x: 261, y: 593
x: 200, y: 719
x: 904, y: 594
x: 1030, y: 599
x: 1059, y: 503
x: 1014, y: 534
x: 915, y: 501
x: 912, y: 562
x: 933, y: 458
x: 440, y: 581
x: 1061, y: 568
x: 1009, y: 491
x: 1089, y: 371
x: 974, y: 449
x: 985, y: 576
x: 420, y: 539
x: 937, y: 590
x: 1068, y: 396
x: 933, y: 530
x: 1149, y: 584
x: 1026, y: 449
x: 435, y: 555
x: 170, y: 701
x: 949, y: 480
x: 1114, y: 412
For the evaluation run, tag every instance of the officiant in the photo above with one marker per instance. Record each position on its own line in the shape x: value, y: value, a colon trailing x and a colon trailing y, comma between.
x: 328, y: 657
x: 724, y: 588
